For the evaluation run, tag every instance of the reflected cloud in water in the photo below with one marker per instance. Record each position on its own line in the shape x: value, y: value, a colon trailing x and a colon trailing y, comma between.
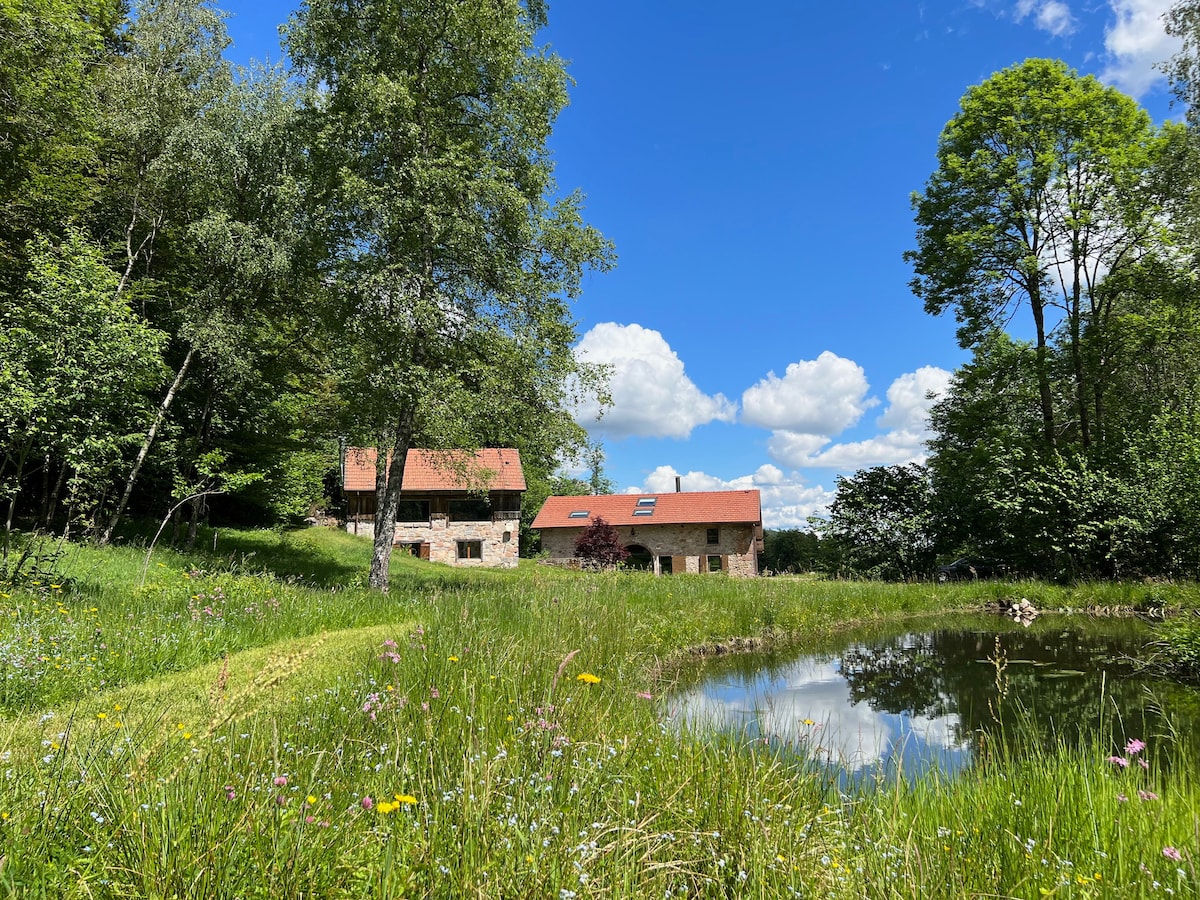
x: 808, y: 705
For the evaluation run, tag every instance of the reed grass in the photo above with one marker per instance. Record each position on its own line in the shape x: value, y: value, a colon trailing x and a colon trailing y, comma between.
x: 258, y: 724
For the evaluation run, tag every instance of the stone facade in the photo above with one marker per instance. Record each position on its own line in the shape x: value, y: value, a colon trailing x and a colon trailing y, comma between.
x: 674, y: 549
x: 439, y: 539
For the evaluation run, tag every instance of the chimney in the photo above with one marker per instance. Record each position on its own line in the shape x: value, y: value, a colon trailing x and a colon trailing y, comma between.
x: 678, y: 485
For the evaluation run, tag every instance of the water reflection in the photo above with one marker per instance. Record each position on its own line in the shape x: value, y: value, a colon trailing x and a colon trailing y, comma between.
x: 920, y: 698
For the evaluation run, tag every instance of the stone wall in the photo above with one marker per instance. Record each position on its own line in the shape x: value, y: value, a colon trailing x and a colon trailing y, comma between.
x: 686, y: 545
x: 498, y: 540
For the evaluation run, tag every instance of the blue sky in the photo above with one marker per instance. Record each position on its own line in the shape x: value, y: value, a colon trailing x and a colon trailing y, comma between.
x: 753, y: 166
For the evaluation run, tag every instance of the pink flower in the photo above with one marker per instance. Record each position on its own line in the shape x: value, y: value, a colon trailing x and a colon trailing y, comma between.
x: 1134, y: 747
x: 1172, y: 854
x: 1119, y: 761
x: 281, y: 781
x: 1143, y: 763
x: 1147, y: 795
x: 366, y: 802
x: 645, y: 695
x: 1121, y: 798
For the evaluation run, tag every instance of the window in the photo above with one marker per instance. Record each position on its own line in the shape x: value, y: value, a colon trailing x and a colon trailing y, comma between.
x: 473, y: 509
x: 714, y: 535
x: 647, y: 501
x: 644, y: 512
x: 470, y: 549
x: 578, y: 514
x: 714, y: 564
x: 413, y: 511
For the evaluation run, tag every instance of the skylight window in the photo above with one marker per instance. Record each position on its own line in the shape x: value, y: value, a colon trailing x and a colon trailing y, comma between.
x: 647, y: 501
x: 578, y: 514
x: 649, y: 511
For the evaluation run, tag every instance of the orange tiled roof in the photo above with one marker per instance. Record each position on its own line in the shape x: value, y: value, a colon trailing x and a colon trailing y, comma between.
x: 435, y: 470
x: 690, y: 508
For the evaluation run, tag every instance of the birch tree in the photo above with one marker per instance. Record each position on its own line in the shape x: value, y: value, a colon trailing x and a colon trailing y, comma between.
x: 448, y: 263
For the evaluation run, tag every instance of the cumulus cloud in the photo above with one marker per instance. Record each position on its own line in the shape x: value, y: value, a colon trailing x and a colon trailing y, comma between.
x: 905, y: 422
x: 824, y: 396
x: 1136, y: 42
x: 911, y: 396
x: 652, y: 395
x: 787, y: 501
x: 1053, y: 16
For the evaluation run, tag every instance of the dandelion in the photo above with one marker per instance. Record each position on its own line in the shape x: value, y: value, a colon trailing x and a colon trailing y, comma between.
x: 809, y: 722
x: 102, y: 716
x: 1135, y: 746
x: 310, y: 800
x: 587, y: 678
x: 1172, y: 854
x: 405, y: 798
x: 452, y: 659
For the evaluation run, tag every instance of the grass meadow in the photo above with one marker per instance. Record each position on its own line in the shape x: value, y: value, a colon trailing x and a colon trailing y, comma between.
x: 251, y: 721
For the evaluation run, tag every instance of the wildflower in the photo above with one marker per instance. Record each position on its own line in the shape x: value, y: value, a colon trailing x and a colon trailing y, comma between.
x: 230, y: 793
x: 1121, y: 798
x: 1134, y: 747
x: 310, y: 800
x: 1120, y: 761
x: 366, y: 802
x: 452, y: 659
x: 281, y: 781
x: 101, y: 715
x: 1147, y: 795
x: 385, y: 807
x: 809, y: 722
x: 1172, y: 854
x: 405, y: 798
x: 1142, y: 762
x: 587, y: 678
x: 645, y: 695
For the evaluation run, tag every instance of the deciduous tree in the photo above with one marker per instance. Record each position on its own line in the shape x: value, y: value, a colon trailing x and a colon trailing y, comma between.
x: 447, y: 265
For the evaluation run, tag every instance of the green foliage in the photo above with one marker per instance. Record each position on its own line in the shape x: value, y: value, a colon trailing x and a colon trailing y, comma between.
x: 74, y: 359
x: 448, y: 264
x: 790, y: 550
x: 882, y: 517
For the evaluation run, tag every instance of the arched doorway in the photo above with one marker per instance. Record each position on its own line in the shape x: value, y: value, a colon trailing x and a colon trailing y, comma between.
x: 639, y: 558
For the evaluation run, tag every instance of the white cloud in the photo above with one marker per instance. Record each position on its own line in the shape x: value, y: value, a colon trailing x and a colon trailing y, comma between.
x: 1053, y: 16
x: 906, y: 424
x: 652, y: 395
x: 787, y: 501
x: 911, y: 396
x: 890, y: 449
x: 823, y: 396
x: 1136, y: 42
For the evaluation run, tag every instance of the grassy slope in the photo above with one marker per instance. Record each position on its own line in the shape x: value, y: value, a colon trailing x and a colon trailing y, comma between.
x: 148, y: 747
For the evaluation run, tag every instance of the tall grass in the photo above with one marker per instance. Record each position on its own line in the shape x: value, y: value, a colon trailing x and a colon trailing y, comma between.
x: 497, y: 734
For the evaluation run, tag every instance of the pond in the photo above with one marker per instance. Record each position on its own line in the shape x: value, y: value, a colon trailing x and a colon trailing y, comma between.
x: 911, y: 696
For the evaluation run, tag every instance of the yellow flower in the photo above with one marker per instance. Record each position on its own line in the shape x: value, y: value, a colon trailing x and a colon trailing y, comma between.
x: 452, y: 658
x: 384, y: 807
x: 405, y: 798
x: 310, y: 800
x: 101, y: 715
x: 587, y: 678
x: 809, y: 722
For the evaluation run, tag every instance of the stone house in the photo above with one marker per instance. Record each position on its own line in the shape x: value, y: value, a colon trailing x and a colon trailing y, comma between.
x: 700, y: 531
x: 457, y: 507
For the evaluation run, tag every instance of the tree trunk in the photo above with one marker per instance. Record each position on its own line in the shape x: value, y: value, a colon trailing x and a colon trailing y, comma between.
x: 106, y: 536
x: 1039, y: 318
x: 389, y: 478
